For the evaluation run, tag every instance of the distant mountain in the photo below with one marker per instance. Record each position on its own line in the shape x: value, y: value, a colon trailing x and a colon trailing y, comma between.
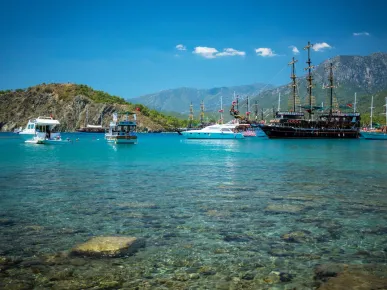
x: 178, y: 100
x: 365, y: 75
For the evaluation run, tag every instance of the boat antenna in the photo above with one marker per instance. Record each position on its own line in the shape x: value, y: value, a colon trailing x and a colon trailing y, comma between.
x: 309, y: 78
x: 262, y: 114
x: 372, y: 108
x: 293, y: 77
x: 202, y: 112
x: 237, y: 103
x: 190, y: 115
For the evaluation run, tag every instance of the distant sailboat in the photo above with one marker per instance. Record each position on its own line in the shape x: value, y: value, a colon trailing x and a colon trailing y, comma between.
x: 91, y: 128
x: 375, y: 133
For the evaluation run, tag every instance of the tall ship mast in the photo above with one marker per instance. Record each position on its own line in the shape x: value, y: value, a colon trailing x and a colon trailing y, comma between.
x: 202, y: 112
x: 191, y: 116
x: 310, y: 99
x: 293, y: 124
x: 294, y: 99
x: 221, y: 110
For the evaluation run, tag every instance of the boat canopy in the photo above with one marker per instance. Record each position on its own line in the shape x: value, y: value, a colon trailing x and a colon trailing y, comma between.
x: 45, y: 121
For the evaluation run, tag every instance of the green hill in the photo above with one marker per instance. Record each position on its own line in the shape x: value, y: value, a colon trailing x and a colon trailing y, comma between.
x: 69, y: 103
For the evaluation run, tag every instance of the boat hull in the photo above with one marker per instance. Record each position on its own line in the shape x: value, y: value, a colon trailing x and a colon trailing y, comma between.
x: 202, y: 135
x: 277, y: 132
x: 122, y: 139
x: 374, y: 135
x: 91, y: 130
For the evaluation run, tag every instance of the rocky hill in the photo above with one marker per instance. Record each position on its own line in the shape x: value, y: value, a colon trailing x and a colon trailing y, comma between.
x: 178, y: 100
x: 68, y: 103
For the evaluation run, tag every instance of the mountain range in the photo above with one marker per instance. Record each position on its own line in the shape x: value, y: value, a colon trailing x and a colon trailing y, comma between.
x: 364, y: 75
x: 179, y: 100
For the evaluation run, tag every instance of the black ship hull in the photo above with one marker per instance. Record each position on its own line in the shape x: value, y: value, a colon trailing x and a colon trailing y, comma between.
x: 280, y: 132
x: 91, y: 130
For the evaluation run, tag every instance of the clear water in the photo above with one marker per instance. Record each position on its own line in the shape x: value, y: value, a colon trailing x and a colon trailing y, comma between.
x: 212, y: 212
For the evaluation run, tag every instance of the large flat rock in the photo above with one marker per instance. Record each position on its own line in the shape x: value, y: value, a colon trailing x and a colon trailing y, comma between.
x: 108, y: 247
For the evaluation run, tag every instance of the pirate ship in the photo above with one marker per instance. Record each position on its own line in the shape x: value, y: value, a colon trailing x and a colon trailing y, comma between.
x: 320, y: 122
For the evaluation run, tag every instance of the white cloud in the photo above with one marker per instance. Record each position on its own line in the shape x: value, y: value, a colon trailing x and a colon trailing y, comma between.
x: 361, y: 34
x: 207, y: 52
x: 231, y: 52
x: 321, y: 46
x: 265, y: 52
x: 211, y: 52
x: 180, y: 47
x: 294, y: 49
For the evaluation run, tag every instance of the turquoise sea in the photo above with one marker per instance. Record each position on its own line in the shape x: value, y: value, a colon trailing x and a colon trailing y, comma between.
x: 214, y: 214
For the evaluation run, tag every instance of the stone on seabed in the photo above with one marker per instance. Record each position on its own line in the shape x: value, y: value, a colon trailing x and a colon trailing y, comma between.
x: 108, y: 246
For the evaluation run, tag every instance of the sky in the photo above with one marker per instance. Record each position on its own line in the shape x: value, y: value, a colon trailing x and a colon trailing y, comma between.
x: 131, y: 48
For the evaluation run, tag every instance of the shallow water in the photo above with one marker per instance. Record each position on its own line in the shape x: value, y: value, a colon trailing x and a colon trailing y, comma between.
x: 213, y: 213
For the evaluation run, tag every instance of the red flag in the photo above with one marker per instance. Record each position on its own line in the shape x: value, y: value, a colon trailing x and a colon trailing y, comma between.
x: 349, y: 105
x: 138, y: 109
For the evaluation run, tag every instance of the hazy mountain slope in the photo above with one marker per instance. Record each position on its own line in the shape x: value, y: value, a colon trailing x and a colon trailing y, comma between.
x: 178, y: 100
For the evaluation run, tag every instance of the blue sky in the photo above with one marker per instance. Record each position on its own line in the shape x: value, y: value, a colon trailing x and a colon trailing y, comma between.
x: 128, y: 48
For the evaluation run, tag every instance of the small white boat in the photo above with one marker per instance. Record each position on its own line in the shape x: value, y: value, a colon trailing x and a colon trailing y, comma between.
x: 217, y: 131
x: 41, y: 131
x: 42, y: 126
x: 122, y: 132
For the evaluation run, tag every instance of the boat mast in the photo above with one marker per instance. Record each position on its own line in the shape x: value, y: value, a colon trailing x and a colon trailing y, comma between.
x: 331, y: 86
x: 221, y: 110
x: 248, y: 109
x: 256, y: 110
x: 190, y: 115
x: 294, y: 84
x: 202, y: 112
x: 354, y: 105
x: 87, y: 116
x: 386, y: 110
x: 372, y: 108
x: 279, y: 102
x: 309, y: 78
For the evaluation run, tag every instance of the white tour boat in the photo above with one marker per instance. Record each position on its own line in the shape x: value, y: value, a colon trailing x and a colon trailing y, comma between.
x: 122, y: 132
x: 41, y: 131
x: 217, y: 131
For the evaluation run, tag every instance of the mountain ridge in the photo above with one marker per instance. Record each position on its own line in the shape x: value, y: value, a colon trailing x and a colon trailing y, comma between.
x: 69, y: 103
x: 353, y: 73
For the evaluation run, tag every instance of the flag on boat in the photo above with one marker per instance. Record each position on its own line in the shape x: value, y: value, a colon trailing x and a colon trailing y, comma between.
x: 349, y: 105
x: 138, y: 109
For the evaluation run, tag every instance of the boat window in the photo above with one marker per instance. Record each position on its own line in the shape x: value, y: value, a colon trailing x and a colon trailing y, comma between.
x: 225, y: 130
